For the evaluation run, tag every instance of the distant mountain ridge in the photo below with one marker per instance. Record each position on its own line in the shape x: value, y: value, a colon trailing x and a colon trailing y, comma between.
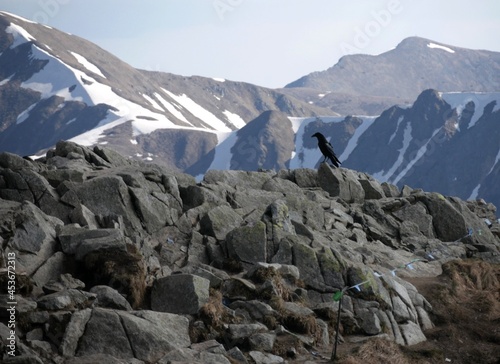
x: 401, y: 74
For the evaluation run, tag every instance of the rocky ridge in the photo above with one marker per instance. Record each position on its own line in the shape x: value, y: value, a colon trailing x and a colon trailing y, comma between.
x: 125, y: 262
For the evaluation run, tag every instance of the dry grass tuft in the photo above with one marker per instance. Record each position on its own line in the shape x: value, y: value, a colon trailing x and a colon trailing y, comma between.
x: 124, y: 271
x: 213, y: 312
x: 377, y: 351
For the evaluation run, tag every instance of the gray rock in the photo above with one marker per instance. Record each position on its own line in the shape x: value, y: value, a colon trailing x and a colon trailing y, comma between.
x: 193, y: 357
x: 424, y: 319
x: 237, y: 288
x: 74, y: 331
x: 69, y: 299
x: 72, y: 237
x: 241, y: 179
x: 111, y: 156
x: 256, y: 309
x: 373, y: 189
x: 248, y: 243
x: 265, y: 358
x: 417, y: 213
x: 262, y: 341
x: 243, y: 331
x: 292, y: 308
x: 449, y: 224
x: 84, y: 217
x: 104, y: 334
x: 23, y: 359
x: 398, y: 337
x: 35, y: 334
x: 13, y: 161
x: 181, y: 294
x: 153, y: 334
x: 100, y: 358
x: 51, y: 270
x: 219, y: 221
x: 281, y: 185
x: 109, y: 196
x: 236, y: 354
x: 390, y: 190
x: 110, y: 298
x: 305, y: 177
x: 34, y: 235
x: 277, y: 219
x: 304, y: 258
x: 194, y: 196
x: 64, y: 281
x: 412, y: 333
x: 369, y: 321
x: 154, y: 208
x: 340, y: 182
x: 211, y: 346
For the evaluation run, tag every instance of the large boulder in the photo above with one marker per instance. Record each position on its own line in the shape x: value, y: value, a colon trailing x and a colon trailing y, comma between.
x: 449, y: 224
x: 340, y: 182
x: 32, y: 236
x: 219, y: 221
x: 248, y: 243
x: 180, y: 294
x: 108, y: 196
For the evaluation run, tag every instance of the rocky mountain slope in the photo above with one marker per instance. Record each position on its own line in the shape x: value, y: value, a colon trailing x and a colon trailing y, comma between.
x: 100, y: 243
x: 365, y: 84
x: 58, y: 86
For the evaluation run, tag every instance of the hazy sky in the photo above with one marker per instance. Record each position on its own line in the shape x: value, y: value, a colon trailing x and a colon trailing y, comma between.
x: 265, y: 42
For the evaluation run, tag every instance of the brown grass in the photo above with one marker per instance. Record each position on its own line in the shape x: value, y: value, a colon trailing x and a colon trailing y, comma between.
x: 126, y: 272
x: 466, y: 312
x: 377, y: 351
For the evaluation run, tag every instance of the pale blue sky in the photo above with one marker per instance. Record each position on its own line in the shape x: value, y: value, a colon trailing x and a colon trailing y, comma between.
x: 265, y: 42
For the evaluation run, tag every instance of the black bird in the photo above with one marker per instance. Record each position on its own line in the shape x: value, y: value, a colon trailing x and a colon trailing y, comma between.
x: 327, y: 149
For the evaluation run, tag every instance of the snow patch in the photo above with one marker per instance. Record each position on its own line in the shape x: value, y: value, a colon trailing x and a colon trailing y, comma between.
x: 437, y: 46
x: 85, y: 63
x: 458, y: 100
x: 234, y: 119
x: 474, y: 193
x: 200, y: 112
x: 171, y: 108
x: 133, y: 141
x: 353, y: 142
x: 25, y: 114
x: 153, y: 102
x: 17, y: 17
x: 223, y: 155
x: 7, y: 80
x: 20, y: 35
x: 401, y: 118
x: 497, y: 159
x: 219, y: 79
x: 381, y: 176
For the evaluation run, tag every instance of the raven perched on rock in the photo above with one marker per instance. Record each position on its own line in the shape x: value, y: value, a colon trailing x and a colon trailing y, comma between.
x: 327, y: 149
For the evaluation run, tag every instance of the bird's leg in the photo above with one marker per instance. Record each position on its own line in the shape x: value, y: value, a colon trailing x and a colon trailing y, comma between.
x: 324, y: 160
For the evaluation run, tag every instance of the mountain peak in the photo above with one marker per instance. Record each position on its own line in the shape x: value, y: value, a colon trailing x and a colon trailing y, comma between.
x: 416, y: 64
